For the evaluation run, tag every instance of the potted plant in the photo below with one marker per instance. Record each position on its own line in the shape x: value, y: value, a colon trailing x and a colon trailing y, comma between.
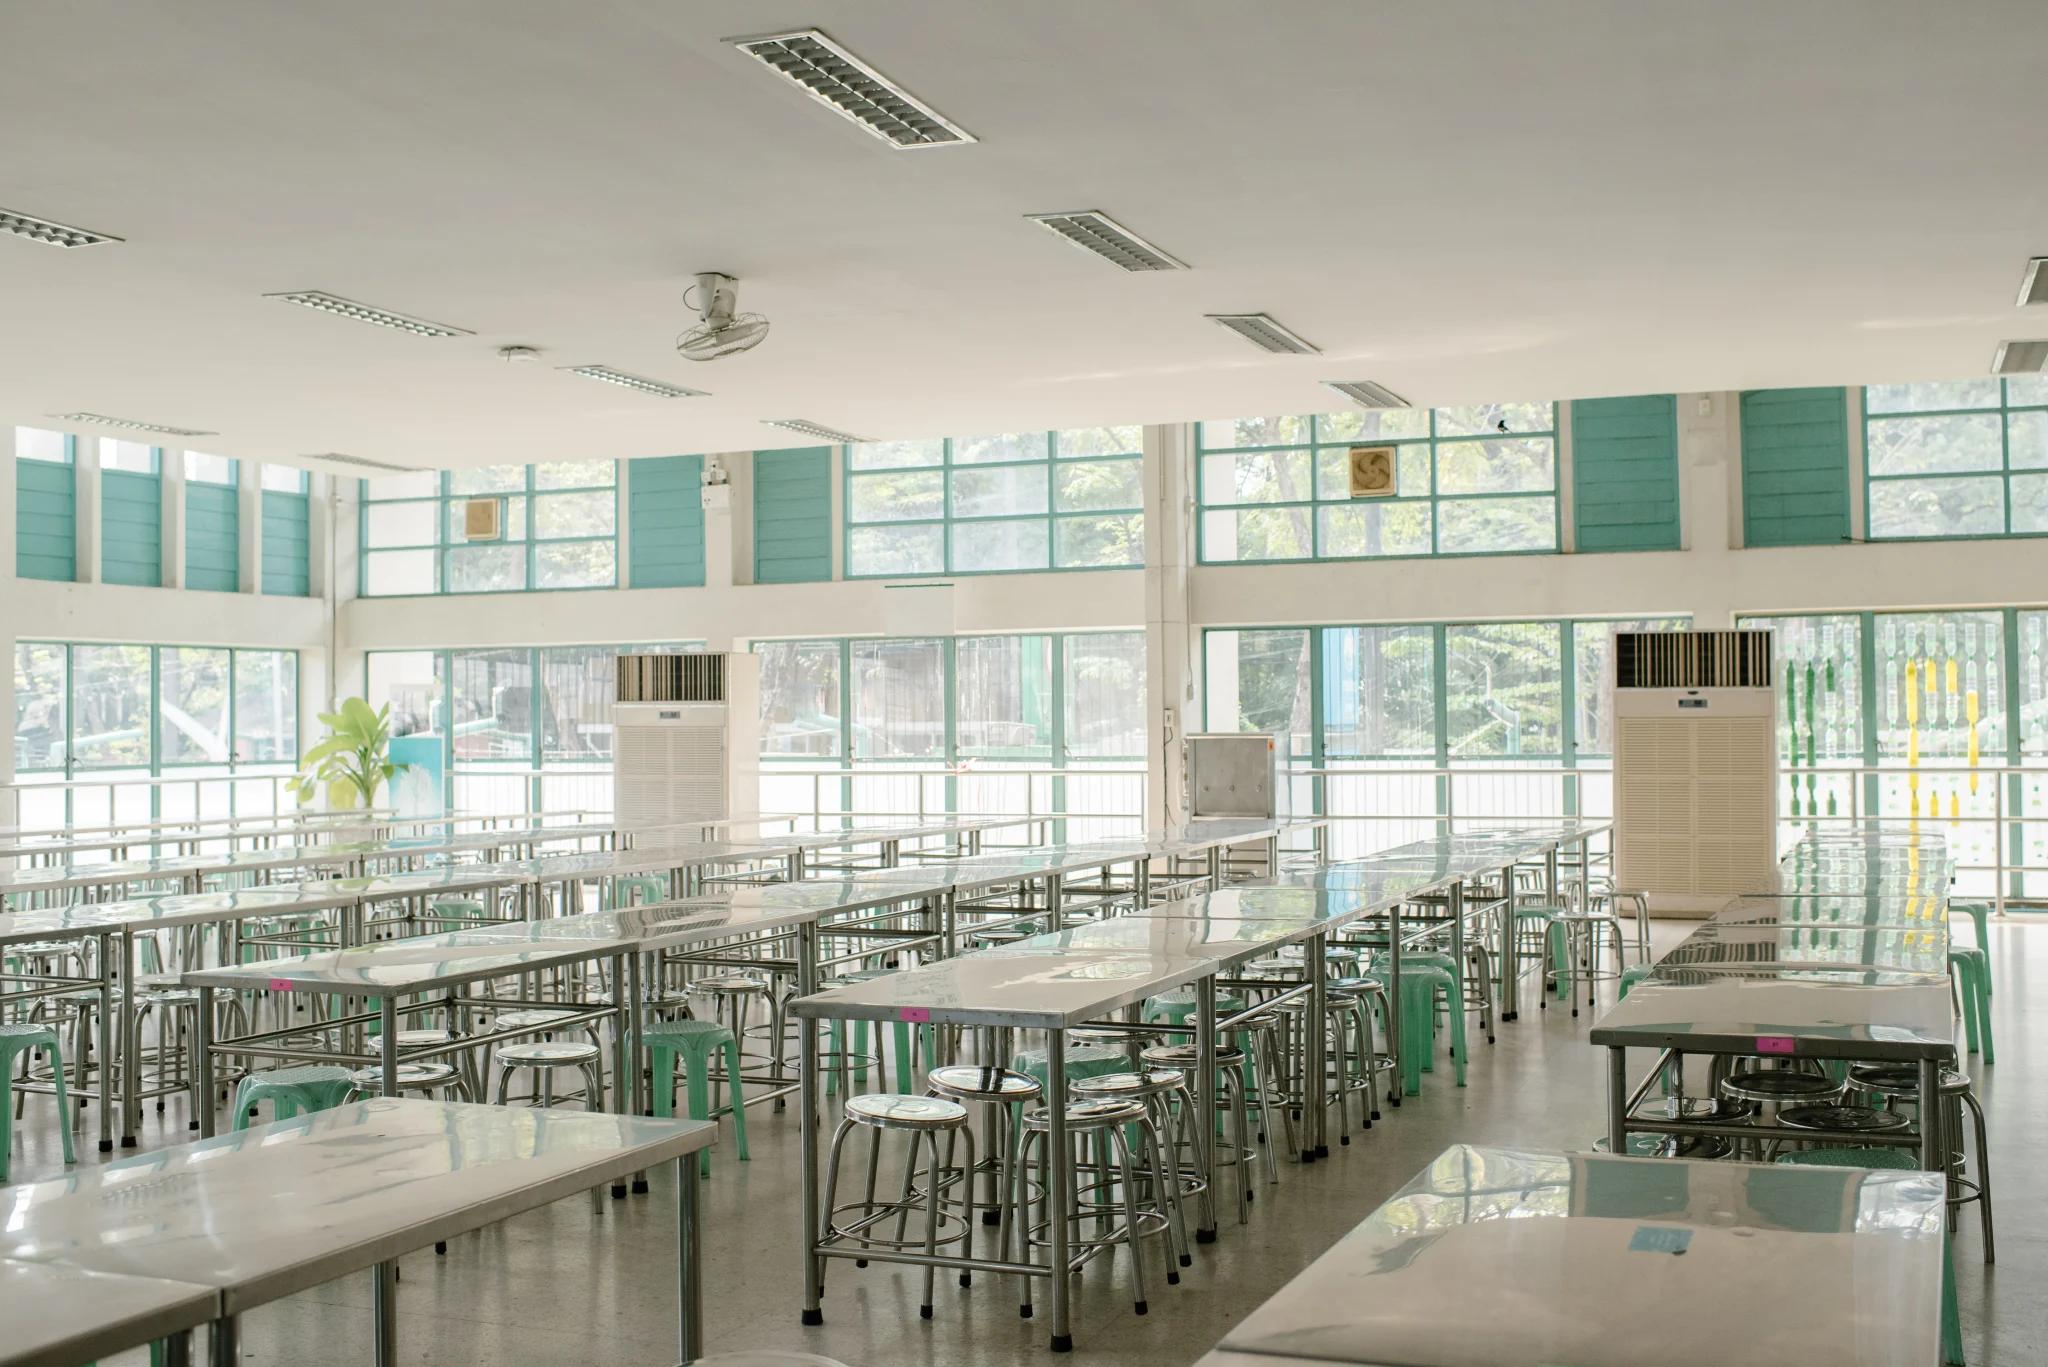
x: 352, y: 763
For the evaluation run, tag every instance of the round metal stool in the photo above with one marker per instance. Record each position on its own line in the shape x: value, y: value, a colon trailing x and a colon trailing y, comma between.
x: 1240, y: 1153
x: 1170, y: 1108
x: 543, y: 1058
x: 1773, y: 1090
x: 923, y: 1119
x: 1371, y: 996
x: 1899, y: 1084
x: 1101, y: 1122
x: 732, y: 997
x: 413, y: 1077
x: 1002, y: 1091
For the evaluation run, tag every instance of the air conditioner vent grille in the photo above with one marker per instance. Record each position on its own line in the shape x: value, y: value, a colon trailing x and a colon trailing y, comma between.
x: 1692, y: 659
x: 671, y: 678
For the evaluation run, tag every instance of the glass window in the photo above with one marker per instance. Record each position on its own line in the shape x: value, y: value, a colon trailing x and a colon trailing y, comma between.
x: 1379, y: 691
x: 267, y: 706
x: 576, y: 702
x: 1003, y: 697
x: 110, y: 707
x: 1593, y: 702
x: 283, y: 479
x: 558, y: 528
x: 1476, y: 480
x: 1820, y: 661
x: 899, y: 699
x: 1940, y: 459
x: 1953, y: 663
x: 1105, y: 695
x: 1504, y: 690
x: 39, y: 693
x: 193, y: 704
x: 1258, y: 680
x: 137, y: 458
x: 1001, y: 503
x: 493, y: 705
x: 409, y: 682
x: 201, y: 468
x: 800, y: 712
x: 34, y: 443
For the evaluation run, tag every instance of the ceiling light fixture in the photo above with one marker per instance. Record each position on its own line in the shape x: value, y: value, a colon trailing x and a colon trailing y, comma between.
x: 1262, y: 332
x: 1096, y: 233
x: 134, y: 424
x: 1367, y: 394
x: 363, y: 313
x: 657, y: 388
x: 2020, y: 358
x: 811, y: 429
x: 843, y: 83
x: 53, y: 234
x: 2034, y: 284
x: 337, y: 458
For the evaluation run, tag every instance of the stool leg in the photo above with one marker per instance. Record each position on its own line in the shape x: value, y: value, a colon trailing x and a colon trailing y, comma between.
x: 1020, y: 1207
x: 832, y: 1184
x: 1115, y: 1137
x: 1166, y: 1186
x: 697, y: 1067
x: 1240, y: 1114
x: 63, y: 1104
x: 739, y: 1111
x: 1983, y: 1175
x: 931, y: 1213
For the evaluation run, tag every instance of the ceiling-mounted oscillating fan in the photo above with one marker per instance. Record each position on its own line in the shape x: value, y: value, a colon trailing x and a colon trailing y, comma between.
x: 723, y: 331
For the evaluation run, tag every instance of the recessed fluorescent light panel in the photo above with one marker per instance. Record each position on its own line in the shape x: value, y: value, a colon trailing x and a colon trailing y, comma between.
x: 2034, y: 284
x: 1096, y: 232
x: 53, y: 234
x: 336, y: 458
x: 1366, y: 394
x: 363, y: 313
x: 1262, y: 332
x: 834, y: 77
x: 134, y: 425
x: 639, y: 382
x: 811, y: 429
x: 2020, y: 358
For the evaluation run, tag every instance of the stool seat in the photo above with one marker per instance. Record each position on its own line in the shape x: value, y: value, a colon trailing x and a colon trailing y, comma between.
x: 1151, y: 1082
x: 1902, y: 1079
x: 730, y: 982
x: 424, y: 1039
x: 1850, y: 1158
x: 532, y: 1019
x: 890, y: 1111
x: 1858, y: 1118
x: 1189, y: 1055
x: 1096, y: 1113
x: 1756, y: 1085
x: 547, y: 1054
x: 411, y: 1077
x: 1357, y: 983
x: 967, y: 1082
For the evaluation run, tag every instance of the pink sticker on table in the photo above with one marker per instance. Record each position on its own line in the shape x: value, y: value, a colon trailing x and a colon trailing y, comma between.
x: 916, y: 1015
x: 280, y: 984
x: 1774, y: 1044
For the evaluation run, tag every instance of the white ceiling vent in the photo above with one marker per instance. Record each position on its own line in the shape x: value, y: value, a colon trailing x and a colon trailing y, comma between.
x: 2020, y: 358
x: 658, y: 388
x: 1366, y: 394
x: 134, y: 425
x: 2034, y: 284
x: 1262, y: 332
x: 52, y: 234
x: 1100, y: 235
x: 843, y: 83
x: 811, y: 429
x: 336, y: 458
x: 363, y: 313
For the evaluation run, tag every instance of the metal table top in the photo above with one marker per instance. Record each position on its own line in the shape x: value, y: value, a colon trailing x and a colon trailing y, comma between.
x: 1750, y: 946
x: 57, y: 877
x: 1050, y: 989
x: 401, y: 968
x: 59, y: 1316
x: 278, y: 1208
x: 1228, y: 940
x: 1499, y: 1258
x: 651, y: 925
x: 178, y: 909
x: 1817, y: 1013
x: 551, y: 868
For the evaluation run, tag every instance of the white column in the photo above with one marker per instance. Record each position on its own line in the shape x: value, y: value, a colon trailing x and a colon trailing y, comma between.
x: 1171, y: 704
x: 171, y: 509
x: 249, y: 525
x: 85, y: 454
x: 717, y: 503
x: 739, y: 467
x: 1710, y: 500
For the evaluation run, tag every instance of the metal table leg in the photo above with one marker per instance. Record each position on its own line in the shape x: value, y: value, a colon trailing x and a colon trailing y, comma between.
x: 689, y: 1264
x: 1455, y: 904
x: 1510, y: 949
x: 807, y: 1124
x: 178, y: 1349
x: 1933, y: 1151
x: 1315, y: 1139
x: 387, y: 1043
x: 384, y: 1305
x: 631, y: 1083
x: 1058, y: 1195
x: 106, y: 1047
x: 625, y: 1049
x: 1617, y: 1099
x: 202, y: 1047
x: 1394, y: 1024
x: 129, y: 1063
x: 225, y: 1342
x: 1204, y: 1126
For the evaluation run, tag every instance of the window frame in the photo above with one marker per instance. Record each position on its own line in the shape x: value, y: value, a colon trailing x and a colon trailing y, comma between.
x: 1053, y: 517
x: 2004, y: 412
x: 1434, y: 500
x: 444, y: 499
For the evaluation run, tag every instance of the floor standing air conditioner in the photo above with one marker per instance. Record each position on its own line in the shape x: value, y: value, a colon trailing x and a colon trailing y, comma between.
x: 686, y: 740
x: 1695, y: 767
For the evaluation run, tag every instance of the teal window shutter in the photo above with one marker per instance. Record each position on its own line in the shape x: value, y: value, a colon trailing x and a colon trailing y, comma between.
x: 132, y: 528
x: 213, y: 537
x: 1795, y: 467
x: 1625, y: 473
x: 46, y: 520
x: 793, y: 516
x: 665, y: 522
x: 287, y: 544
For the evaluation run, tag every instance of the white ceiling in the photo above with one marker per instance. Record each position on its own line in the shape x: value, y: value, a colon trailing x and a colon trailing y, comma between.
x: 1464, y: 201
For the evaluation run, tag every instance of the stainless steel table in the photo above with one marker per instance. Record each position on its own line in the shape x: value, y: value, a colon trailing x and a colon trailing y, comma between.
x: 277, y: 1209
x: 58, y: 1316
x: 1504, y: 1258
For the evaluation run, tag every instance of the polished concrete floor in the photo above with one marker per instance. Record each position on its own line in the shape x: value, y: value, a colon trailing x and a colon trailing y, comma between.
x: 565, y: 1286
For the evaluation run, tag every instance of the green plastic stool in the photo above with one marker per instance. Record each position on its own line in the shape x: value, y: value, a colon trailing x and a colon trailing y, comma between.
x: 1421, y: 981
x: 927, y: 1038
x: 1895, y: 1160
x: 293, y: 1091
x: 449, y: 907
x: 1631, y: 976
x: 1083, y: 1060
x: 1980, y: 917
x: 631, y: 890
x: 694, y: 1042
x: 16, y: 1040
x: 1971, y: 970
